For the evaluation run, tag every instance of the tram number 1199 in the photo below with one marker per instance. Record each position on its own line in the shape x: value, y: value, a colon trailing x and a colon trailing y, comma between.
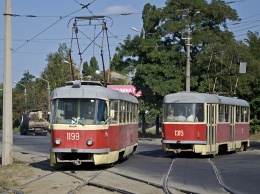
x: 72, y: 136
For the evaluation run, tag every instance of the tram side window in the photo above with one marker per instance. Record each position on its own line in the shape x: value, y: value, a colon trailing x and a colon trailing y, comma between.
x: 122, y: 112
x: 220, y: 112
x: 227, y: 108
x: 244, y: 114
x: 114, y: 106
x: 131, y: 111
x: 221, y: 115
x: 238, y: 114
x: 127, y: 109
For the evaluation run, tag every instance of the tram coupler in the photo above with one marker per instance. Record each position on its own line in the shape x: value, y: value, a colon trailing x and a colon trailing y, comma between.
x: 77, y: 162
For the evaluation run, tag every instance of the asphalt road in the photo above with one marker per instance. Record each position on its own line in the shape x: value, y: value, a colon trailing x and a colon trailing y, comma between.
x: 230, y: 173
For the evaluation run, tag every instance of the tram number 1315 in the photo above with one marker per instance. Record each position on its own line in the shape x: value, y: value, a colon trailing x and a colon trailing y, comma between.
x: 72, y: 136
x: 178, y: 133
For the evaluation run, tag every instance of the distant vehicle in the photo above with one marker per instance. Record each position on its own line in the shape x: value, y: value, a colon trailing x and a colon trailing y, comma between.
x: 204, y: 123
x: 32, y: 125
x: 91, y: 123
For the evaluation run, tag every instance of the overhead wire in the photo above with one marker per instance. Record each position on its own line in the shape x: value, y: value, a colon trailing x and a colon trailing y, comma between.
x: 45, y: 30
x: 243, y: 23
x: 27, y: 41
x: 86, y: 6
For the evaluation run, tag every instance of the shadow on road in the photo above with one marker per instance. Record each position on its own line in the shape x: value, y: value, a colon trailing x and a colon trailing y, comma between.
x: 254, y: 145
x: 45, y: 166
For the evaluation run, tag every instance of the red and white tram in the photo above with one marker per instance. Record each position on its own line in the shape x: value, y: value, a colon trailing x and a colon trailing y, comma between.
x: 92, y: 123
x: 204, y: 123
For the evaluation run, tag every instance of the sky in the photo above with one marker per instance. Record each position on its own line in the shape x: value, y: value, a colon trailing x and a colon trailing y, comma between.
x: 33, y: 38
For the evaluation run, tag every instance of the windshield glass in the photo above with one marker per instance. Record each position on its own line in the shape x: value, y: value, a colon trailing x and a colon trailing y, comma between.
x: 79, y: 111
x: 183, y: 112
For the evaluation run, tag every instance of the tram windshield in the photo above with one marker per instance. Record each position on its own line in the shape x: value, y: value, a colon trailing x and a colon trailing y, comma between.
x: 79, y: 111
x: 182, y: 112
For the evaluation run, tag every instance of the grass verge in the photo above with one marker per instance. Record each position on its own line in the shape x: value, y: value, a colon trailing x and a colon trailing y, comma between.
x: 10, y: 175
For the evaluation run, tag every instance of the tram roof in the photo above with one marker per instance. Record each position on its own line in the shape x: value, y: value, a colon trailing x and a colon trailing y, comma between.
x: 193, y: 97
x: 84, y: 89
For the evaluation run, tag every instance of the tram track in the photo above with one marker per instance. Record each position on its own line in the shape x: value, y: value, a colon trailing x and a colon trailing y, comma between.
x: 219, y: 178
x: 120, y: 183
x: 84, y: 181
x: 172, y: 184
x: 105, y: 180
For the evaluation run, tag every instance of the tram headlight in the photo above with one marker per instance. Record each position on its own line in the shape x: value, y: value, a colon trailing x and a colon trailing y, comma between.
x: 90, y: 142
x: 57, y: 141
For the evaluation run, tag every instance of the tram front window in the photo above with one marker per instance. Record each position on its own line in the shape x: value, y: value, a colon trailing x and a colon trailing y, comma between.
x: 79, y: 111
x: 175, y: 112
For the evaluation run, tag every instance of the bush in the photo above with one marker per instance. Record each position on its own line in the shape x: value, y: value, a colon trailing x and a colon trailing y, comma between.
x: 16, y: 130
x: 254, y: 126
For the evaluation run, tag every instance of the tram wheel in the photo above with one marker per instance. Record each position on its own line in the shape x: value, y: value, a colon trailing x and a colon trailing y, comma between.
x: 243, y: 147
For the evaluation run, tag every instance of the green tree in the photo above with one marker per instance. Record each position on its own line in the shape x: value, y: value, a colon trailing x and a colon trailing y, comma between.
x: 57, y: 71
x: 158, y: 54
x: 85, y: 69
x: 23, y: 97
x: 250, y: 81
x: 89, y: 71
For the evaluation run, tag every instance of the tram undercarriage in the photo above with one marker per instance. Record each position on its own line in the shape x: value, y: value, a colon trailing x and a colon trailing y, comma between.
x: 96, y: 158
x: 207, y: 149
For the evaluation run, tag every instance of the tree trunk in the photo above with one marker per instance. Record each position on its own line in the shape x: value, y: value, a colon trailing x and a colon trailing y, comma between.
x: 157, y: 125
x: 143, y: 124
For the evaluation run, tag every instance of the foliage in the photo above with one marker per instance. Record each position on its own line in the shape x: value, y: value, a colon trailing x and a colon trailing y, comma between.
x: 89, y: 72
x: 158, y: 54
x: 254, y: 126
x: 157, y: 59
x: 150, y: 133
x: 57, y: 72
x: 85, y: 69
x: 117, y: 81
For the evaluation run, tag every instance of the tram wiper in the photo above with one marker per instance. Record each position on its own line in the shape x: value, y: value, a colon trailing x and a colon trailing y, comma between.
x: 81, y: 123
x: 104, y: 122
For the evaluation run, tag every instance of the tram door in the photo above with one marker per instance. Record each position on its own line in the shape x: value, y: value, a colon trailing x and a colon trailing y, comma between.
x: 211, y: 126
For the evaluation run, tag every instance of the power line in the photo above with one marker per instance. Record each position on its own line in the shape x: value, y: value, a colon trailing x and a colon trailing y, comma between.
x: 44, y: 30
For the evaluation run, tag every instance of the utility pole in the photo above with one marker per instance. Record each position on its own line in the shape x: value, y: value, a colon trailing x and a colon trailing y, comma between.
x: 7, y: 148
x: 188, y: 61
x: 188, y: 55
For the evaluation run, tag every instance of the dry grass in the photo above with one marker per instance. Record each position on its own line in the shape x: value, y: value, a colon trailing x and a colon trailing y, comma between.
x: 255, y: 136
x: 10, y: 175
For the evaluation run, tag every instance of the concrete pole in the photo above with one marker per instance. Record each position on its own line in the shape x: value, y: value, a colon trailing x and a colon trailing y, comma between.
x: 188, y: 62
x: 49, y: 96
x: 7, y: 147
x: 188, y: 56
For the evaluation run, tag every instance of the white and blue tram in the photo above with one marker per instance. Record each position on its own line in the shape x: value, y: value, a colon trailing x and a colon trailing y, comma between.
x: 92, y: 123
